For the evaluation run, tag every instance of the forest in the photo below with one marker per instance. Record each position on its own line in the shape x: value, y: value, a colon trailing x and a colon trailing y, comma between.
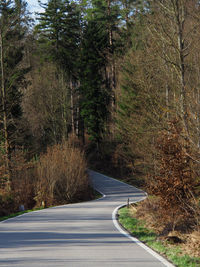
x: 113, y: 85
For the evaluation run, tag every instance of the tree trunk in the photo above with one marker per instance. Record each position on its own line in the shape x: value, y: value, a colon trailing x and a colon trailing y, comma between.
x: 112, y: 68
x: 179, y: 10
x: 167, y: 100
x: 198, y: 120
x: 78, y: 118
x: 72, y: 106
x: 5, y: 118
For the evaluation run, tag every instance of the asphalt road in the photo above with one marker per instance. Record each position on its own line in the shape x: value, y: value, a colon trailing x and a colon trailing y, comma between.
x: 75, y: 235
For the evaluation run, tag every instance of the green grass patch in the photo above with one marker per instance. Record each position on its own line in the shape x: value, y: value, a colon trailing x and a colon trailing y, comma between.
x: 137, y: 229
x: 97, y: 195
x: 3, y: 218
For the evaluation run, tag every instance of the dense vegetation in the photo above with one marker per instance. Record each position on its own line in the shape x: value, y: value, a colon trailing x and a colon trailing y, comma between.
x: 116, y: 79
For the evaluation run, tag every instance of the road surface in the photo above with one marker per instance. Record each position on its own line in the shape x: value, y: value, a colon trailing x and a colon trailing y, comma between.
x: 75, y: 235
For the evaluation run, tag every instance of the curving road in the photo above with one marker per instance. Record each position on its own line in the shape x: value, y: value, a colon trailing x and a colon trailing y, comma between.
x: 81, y: 235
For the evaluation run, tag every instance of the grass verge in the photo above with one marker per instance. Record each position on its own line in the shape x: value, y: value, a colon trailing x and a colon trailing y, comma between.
x: 3, y: 218
x: 172, y: 253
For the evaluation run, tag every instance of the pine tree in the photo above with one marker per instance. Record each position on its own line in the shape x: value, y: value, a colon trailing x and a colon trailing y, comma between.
x: 59, y: 33
x: 95, y: 95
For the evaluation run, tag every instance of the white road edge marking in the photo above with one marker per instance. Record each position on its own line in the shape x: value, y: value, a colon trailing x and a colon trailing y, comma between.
x: 122, y: 231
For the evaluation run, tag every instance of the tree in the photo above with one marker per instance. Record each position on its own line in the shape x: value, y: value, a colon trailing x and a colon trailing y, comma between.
x: 13, y: 27
x: 46, y: 106
x: 175, y: 36
x: 160, y: 87
x: 94, y: 93
x: 101, y: 27
x: 139, y: 97
x: 59, y: 33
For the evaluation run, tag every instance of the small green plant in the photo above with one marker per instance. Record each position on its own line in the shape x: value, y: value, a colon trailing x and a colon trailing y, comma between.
x: 137, y: 228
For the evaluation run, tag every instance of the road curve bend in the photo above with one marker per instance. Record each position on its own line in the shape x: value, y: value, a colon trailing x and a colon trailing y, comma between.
x: 77, y: 235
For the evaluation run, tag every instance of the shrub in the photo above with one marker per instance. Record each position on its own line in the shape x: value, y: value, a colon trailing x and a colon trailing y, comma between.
x: 62, y: 176
x: 174, y: 180
x: 21, y: 190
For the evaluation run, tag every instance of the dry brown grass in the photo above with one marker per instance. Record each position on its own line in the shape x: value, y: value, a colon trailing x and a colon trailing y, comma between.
x: 148, y: 211
x: 62, y: 176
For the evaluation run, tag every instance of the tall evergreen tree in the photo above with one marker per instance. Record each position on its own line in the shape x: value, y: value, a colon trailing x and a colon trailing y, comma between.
x: 13, y: 27
x: 59, y: 32
x: 94, y: 90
